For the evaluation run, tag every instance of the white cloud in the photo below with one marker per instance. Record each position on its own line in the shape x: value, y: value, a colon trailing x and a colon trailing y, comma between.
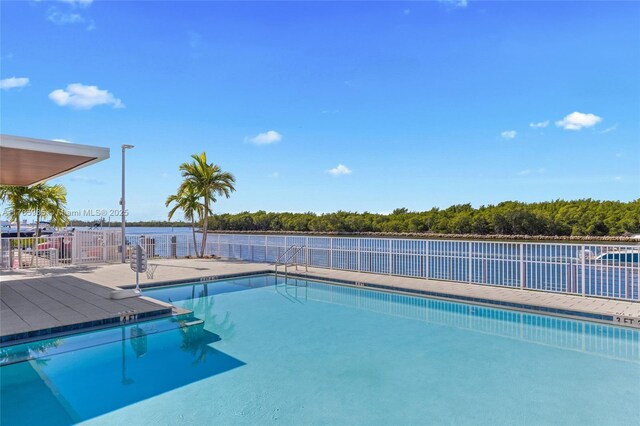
x: 71, y: 14
x: 77, y: 2
x: 539, y: 124
x: 527, y: 172
x: 265, y: 138
x: 456, y: 3
x: 509, y: 134
x: 339, y: 170
x: 79, y: 96
x: 13, y: 82
x: 61, y: 140
x: 609, y: 129
x: 618, y: 178
x: 62, y: 18
x: 578, y: 121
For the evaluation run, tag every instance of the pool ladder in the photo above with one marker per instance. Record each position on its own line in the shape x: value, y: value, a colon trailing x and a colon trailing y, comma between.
x: 292, y: 253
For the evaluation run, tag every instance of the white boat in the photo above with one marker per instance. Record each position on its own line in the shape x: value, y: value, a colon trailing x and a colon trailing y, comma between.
x: 631, y: 255
x: 10, y: 230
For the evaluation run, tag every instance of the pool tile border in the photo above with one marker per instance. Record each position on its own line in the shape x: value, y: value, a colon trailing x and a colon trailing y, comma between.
x: 199, y: 279
x: 565, y: 313
x: 608, y: 319
x: 12, y: 339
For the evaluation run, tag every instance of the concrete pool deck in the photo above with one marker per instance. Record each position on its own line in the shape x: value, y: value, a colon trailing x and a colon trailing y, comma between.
x: 41, y: 307
x: 47, y: 302
x: 79, y: 294
x: 115, y: 275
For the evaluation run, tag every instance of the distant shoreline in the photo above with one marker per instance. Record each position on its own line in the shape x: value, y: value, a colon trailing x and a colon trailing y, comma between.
x: 401, y: 235
x: 435, y: 236
x: 140, y: 224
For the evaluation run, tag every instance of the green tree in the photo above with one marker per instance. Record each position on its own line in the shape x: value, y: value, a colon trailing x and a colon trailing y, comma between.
x: 49, y: 201
x: 207, y: 181
x: 189, y: 202
x: 558, y: 217
x: 19, y: 201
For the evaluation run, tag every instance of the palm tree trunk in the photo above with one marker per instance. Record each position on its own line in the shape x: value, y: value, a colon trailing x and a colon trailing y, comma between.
x: 193, y: 231
x: 36, y: 235
x: 204, y: 226
x: 19, y: 241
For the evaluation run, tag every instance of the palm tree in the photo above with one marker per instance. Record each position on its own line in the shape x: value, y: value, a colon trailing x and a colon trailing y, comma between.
x: 206, y: 180
x: 49, y: 201
x: 19, y: 201
x: 189, y: 202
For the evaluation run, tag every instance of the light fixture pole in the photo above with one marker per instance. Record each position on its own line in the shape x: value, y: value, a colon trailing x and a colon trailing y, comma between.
x: 122, y: 206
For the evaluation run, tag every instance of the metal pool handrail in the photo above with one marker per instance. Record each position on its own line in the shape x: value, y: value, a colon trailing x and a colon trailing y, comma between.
x: 283, y: 255
x: 295, y: 253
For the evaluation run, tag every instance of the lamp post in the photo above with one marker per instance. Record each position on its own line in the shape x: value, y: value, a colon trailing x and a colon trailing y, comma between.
x: 122, y: 205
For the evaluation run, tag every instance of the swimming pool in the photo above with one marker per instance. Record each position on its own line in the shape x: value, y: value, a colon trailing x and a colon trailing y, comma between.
x: 314, y: 353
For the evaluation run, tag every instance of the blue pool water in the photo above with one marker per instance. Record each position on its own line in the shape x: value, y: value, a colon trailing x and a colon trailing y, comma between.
x: 315, y: 353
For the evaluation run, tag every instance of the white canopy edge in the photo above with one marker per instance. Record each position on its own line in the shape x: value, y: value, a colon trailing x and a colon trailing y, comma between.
x: 94, y: 154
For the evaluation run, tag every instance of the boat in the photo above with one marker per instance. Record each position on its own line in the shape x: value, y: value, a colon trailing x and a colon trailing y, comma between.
x: 27, y: 230
x: 620, y: 256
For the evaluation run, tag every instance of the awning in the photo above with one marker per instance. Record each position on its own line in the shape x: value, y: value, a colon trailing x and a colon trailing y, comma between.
x: 27, y: 161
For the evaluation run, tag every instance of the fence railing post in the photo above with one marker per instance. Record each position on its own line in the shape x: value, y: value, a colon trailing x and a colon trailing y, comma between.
x: 330, y: 252
x: 426, y: 260
x: 75, y: 235
x: 469, y: 262
x: 104, y: 246
x: 390, y: 259
x: 523, y: 275
x: 583, y: 260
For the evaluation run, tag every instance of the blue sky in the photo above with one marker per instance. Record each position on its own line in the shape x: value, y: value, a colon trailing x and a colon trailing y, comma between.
x: 330, y: 105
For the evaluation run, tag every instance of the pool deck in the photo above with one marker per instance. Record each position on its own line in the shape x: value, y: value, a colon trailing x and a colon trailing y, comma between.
x: 51, y: 302
x: 41, y: 302
x: 39, y: 307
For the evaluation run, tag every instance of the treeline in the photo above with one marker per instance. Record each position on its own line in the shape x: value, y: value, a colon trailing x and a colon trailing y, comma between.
x: 555, y: 218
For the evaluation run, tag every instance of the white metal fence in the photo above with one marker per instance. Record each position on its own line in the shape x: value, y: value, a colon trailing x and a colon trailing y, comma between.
x: 89, y: 247
x: 602, y: 270
x: 32, y: 252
